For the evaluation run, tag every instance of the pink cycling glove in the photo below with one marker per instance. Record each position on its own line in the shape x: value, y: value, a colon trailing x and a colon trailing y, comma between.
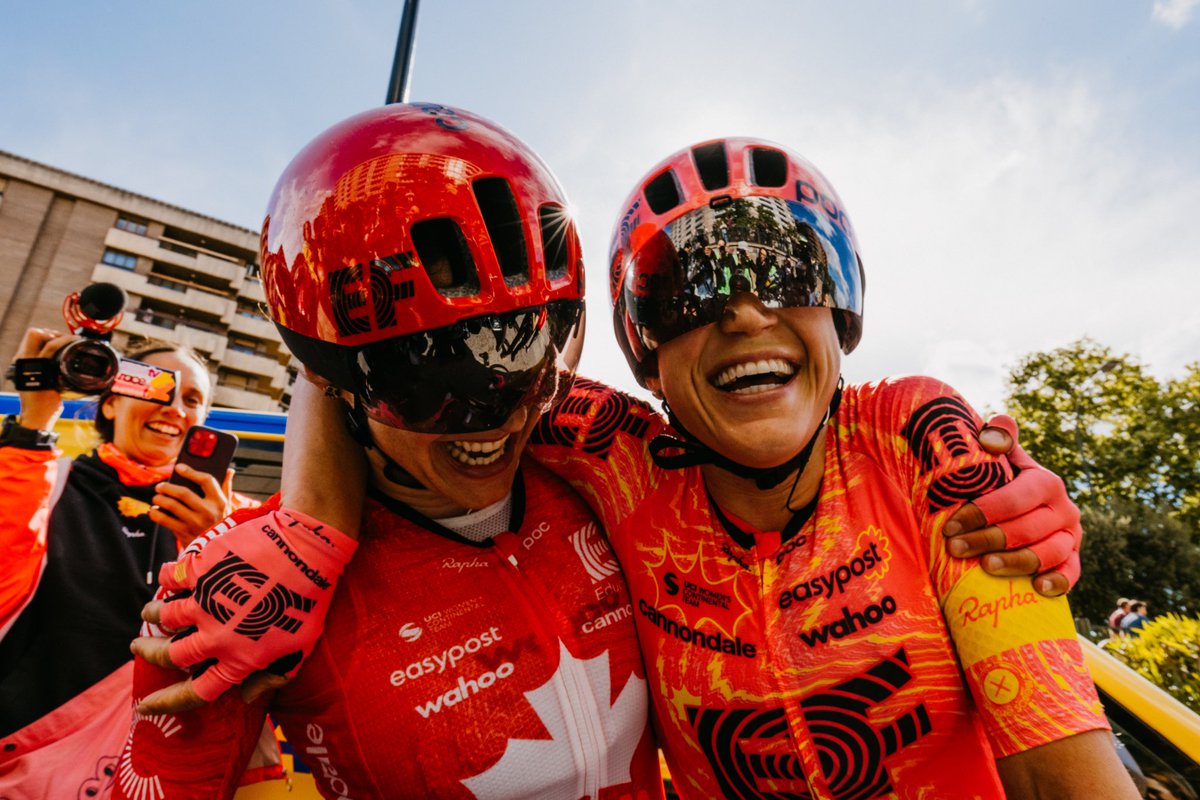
x: 1034, y: 511
x: 253, y: 596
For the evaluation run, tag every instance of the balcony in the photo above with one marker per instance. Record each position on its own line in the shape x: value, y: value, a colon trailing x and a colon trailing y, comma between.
x: 176, y: 294
x: 175, y: 331
x: 230, y: 397
x: 255, y: 327
x: 226, y: 272
x: 252, y: 289
x: 255, y: 364
x: 142, y: 246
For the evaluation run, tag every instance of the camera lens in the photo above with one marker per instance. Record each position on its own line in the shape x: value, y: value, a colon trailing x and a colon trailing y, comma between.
x: 87, y: 366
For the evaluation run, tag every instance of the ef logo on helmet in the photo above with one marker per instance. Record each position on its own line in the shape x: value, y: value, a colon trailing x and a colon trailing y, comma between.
x: 364, y: 296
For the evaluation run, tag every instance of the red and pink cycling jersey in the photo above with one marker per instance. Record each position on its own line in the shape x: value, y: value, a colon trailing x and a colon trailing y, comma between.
x: 853, y: 659
x: 506, y: 669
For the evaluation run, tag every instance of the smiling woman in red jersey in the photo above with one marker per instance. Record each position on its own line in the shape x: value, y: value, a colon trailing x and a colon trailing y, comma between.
x: 420, y: 262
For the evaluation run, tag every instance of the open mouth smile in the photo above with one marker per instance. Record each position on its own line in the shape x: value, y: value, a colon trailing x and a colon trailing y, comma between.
x: 476, y: 453
x: 752, y: 377
x: 164, y: 428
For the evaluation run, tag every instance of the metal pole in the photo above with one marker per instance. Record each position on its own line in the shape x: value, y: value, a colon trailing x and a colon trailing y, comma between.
x: 405, y: 49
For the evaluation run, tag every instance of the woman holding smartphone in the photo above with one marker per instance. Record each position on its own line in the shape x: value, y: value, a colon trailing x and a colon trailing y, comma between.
x: 81, y: 543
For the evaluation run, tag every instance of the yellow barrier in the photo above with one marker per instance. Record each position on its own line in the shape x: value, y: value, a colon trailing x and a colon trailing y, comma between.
x: 1174, y: 721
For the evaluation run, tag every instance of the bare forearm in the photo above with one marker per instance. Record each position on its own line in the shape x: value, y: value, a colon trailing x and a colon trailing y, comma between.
x: 324, y: 470
x: 1084, y: 766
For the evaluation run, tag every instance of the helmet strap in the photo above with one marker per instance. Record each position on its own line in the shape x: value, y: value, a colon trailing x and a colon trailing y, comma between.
x: 692, y: 452
x: 360, y: 431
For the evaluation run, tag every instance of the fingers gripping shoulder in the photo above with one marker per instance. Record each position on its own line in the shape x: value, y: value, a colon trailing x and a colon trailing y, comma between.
x: 252, y: 596
x: 1035, y: 511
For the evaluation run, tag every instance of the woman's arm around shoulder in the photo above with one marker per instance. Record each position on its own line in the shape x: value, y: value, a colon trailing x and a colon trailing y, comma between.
x: 596, y: 438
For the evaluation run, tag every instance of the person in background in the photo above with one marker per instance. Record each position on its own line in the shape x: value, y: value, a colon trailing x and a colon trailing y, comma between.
x: 81, y: 543
x: 1118, y: 614
x: 1133, y: 622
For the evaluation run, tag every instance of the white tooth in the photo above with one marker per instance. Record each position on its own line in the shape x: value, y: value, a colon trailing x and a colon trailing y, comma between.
x: 488, y: 452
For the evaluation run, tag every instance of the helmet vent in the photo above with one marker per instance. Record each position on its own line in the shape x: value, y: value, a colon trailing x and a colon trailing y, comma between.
x: 712, y: 165
x: 662, y: 193
x: 442, y: 250
x: 767, y: 167
x: 557, y: 232
x: 503, y: 221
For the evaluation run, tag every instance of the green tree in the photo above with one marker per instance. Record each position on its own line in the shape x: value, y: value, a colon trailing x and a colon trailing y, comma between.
x: 1181, y: 445
x: 1128, y: 448
x: 1093, y: 417
x: 1132, y: 550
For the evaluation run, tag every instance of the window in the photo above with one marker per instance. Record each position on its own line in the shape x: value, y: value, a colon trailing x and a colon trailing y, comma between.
x: 236, y: 380
x: 166, y: 283
x: 117, y: 258
x: 250, y: 309
x: 132, y: 225
x: 243, y: 345
x: 150, y: 318
x: 178, y: 248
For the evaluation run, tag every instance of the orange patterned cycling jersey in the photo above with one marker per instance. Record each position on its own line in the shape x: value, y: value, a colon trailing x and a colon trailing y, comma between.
x: 853, y: 659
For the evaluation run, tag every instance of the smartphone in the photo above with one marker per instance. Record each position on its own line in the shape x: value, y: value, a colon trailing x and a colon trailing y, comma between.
x: 207, y: 450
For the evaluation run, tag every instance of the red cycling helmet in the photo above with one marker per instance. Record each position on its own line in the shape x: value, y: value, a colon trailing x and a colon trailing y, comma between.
x: 722, y: 217
x: 423, y: 259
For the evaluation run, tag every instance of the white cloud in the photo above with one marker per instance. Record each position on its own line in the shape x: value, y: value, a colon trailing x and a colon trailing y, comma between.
x: 1174, y: 13
x: 995, y: 220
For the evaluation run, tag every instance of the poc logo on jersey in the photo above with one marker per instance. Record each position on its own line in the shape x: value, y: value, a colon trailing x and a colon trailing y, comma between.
x: 594, y: 552
x: 409, y: 632
x: 535, y: 535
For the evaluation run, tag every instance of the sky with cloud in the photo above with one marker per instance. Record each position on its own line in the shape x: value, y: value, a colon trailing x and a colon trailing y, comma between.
x: 1020, y: 173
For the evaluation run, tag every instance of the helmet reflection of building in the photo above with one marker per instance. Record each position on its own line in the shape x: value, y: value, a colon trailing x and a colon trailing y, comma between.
x: 728, y: 216
x: 422, y: 259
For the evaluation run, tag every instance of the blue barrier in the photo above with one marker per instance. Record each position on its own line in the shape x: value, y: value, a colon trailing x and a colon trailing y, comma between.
x: 261, y: 423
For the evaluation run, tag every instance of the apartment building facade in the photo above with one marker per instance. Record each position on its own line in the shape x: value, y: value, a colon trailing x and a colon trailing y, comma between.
x: 191, y: 279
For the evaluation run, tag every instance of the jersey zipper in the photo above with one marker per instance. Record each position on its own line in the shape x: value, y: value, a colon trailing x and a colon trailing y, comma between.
x: 577, y: 703
x: 793, y: 716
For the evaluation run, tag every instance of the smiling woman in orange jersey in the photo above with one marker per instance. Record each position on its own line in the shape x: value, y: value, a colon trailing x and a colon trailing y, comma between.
x: 805, y: 632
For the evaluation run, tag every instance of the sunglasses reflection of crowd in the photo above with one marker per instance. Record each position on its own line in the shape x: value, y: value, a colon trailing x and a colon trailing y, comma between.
x: 782, y: 267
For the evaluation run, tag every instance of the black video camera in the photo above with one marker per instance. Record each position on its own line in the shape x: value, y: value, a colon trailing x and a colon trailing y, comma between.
x: 91, y: 365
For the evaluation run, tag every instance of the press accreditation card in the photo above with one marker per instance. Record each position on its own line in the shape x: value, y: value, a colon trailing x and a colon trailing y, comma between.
x: 145, y: 382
